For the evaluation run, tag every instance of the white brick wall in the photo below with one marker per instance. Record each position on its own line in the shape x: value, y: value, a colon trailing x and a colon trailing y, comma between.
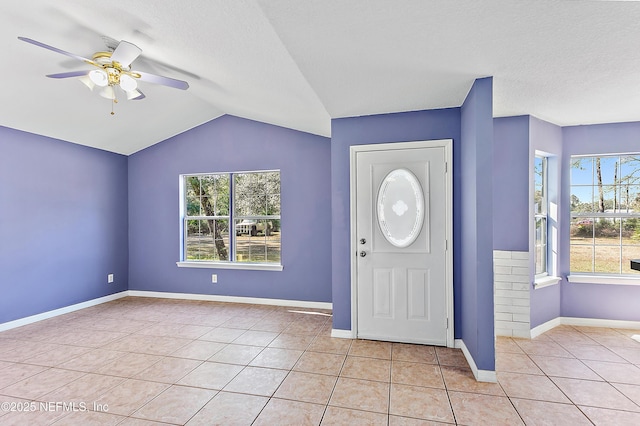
x: 511, y: 293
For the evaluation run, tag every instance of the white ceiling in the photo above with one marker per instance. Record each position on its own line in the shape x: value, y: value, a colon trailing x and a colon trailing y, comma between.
x: 298, y: 64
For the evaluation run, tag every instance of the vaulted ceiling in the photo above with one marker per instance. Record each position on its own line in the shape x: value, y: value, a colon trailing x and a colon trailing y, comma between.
x: 298, y: 64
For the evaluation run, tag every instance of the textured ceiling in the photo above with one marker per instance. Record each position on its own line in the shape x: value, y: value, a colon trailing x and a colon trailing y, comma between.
x: 300, y: 63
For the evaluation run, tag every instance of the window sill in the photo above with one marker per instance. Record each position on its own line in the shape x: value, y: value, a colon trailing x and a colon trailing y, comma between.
x: 604, y: 279
x: 231, y: 265
x: 547, y: 281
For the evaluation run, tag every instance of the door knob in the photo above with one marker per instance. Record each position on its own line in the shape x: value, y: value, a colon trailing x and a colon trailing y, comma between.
x: 363, y: 253
x: 362, y: 241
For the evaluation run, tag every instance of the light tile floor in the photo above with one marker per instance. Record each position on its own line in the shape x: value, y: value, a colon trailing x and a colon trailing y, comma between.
x: 138, y: 361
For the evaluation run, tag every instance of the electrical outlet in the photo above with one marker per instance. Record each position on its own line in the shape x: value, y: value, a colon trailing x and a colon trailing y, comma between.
x: 214, y: 278
x: 109, y: 278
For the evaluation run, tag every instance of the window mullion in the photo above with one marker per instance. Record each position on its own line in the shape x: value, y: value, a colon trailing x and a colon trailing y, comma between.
x: 620, y: 257
x: 253, y: 194
x: 232, y: 218
x: 609, y: 227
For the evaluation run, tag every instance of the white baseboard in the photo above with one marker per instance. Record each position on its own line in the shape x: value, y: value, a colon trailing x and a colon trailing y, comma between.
x: 343, y: 334
x: 61, y: 311
x: 480, y: 375
x: 583, y: 322
x: 184, y: 296
x: 543, y: 328
x: 232, y: 299
x: 595, y: 322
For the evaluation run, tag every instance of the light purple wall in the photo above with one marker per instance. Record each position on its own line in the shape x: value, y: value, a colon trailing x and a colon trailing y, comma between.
x: 223, y: 145
x: 63, y: 224
x: 511, y: 199
x: 70, y: 215
x: 596, y: 300
x: 400, y: 127
x: 476, y: 227
x: 547, y: 137
x: 516, y: 141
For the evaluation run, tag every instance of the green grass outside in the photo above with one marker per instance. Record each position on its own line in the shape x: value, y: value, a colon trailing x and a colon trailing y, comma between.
x: 607, y: 255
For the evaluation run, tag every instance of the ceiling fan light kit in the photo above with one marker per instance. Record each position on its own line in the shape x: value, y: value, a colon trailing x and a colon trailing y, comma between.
x: 113, y: 69
x: 134, y: 94
x: 86, y: 80
x: 99, y: 77
x: 128, y: 83
x: 108, y: 93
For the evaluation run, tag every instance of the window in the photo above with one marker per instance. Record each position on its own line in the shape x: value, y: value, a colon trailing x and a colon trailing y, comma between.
x: 605, y: 213
x: 540, y: 203
x: 247, y: 203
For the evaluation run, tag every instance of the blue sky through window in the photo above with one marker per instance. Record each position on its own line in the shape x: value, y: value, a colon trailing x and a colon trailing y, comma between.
x: 620, y: 180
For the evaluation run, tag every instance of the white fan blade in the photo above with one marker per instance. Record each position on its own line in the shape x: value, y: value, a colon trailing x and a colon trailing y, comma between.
x: 55, y: 49
x: 68, y: 74
x: 125, y: 53
x: 158, y: 79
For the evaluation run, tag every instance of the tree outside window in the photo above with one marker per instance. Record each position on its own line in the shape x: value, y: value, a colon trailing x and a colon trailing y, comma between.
x: 247, y: 202
x: 605, y: 213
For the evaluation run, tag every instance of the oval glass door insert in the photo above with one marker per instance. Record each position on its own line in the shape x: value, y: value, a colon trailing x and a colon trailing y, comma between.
x: 400, y: 206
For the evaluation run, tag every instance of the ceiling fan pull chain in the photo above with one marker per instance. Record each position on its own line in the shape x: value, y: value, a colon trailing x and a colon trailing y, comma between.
x: 114, y: 101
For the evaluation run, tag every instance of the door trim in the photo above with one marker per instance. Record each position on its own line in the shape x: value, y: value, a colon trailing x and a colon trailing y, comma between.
x: 353, y: 249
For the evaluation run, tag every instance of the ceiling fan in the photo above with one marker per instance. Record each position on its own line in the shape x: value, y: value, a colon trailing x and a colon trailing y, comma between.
x: 112, y: 71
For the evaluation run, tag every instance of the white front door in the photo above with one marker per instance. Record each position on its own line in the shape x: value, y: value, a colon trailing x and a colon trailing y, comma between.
x: 402, y: 227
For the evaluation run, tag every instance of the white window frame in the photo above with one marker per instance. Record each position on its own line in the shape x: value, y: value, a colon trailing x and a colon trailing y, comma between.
x: 232, y: 218
x: 549, y: 212
x: 601, y: 277
x: 543, y: 216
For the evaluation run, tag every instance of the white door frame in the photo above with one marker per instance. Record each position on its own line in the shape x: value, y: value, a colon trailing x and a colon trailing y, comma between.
x: 353, y: 249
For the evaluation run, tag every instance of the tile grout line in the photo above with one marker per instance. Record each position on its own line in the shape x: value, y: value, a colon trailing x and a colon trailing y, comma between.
x: 604, y: 379
x: 446, y: 388
x: 596, y: 373
x: 326, y: 407
x: 550, y: 378
x: 27, y: 338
